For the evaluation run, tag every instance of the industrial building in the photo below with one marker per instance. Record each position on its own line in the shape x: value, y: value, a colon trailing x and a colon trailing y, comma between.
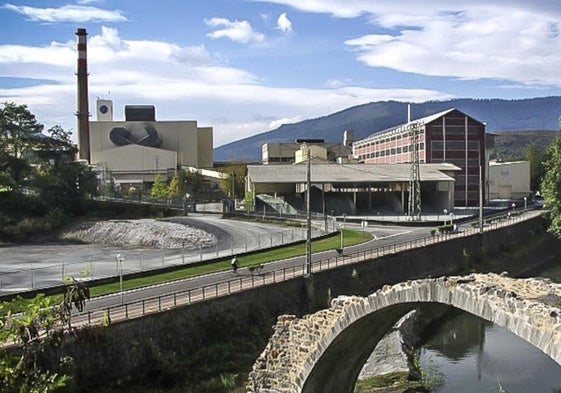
x: 138, y: 148
x: 348, y: 188
x: 509, y: 180
x: 133, y: 151
x: 450, y: 136
x: 284, y: 153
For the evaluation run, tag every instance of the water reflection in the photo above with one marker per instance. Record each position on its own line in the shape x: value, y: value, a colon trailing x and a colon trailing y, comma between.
x: 478, y: 356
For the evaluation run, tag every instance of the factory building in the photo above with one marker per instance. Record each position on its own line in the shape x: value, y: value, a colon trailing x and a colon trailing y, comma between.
x: 138, y: 148
x: 509, y: 180
x: 349, y: 188
x: 285, y: 153
x: 133, y: 151
x: 450, y: 136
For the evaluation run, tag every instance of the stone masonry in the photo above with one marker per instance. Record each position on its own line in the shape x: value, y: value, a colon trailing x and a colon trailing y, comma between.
x: 326, y: 350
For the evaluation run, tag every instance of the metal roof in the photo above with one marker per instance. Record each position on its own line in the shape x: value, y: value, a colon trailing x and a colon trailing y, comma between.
x: 422, y: 120
x: 347, y: 173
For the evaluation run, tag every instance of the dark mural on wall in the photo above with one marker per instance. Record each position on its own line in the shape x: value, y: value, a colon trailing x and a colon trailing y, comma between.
x: 148, y: 136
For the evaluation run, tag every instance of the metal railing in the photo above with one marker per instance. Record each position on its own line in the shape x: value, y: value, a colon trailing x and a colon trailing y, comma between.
x: 250, y: 279
x: 53, y: 270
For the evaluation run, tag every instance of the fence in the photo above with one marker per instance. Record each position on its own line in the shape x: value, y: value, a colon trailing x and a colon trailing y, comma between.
x: 52, y: 270
x: 252, y: 280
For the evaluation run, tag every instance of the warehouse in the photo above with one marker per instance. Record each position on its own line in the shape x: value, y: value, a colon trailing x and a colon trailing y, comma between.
x: 351, y: 188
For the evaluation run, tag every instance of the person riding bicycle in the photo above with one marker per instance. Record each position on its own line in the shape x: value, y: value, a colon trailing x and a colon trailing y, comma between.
x: 235, y: 264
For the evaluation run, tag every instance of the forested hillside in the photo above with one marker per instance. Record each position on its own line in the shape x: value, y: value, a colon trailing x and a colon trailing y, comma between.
x: 512, y: 145
x: 499, y: 115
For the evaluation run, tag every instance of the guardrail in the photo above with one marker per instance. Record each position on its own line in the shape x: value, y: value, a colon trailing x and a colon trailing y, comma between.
x: 250, y: 280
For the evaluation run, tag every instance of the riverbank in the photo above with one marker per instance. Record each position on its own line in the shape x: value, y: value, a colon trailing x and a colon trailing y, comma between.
x: 210, y: 346
x: 536, y: 255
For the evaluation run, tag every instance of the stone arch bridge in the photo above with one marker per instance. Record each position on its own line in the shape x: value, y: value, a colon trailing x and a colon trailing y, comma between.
x: 325, y: 351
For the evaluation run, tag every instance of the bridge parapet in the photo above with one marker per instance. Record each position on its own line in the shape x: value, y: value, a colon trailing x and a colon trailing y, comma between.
x: 326, y: 350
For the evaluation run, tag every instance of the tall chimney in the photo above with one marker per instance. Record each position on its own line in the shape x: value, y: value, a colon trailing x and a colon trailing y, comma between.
x: 83, y: 113
x: 408, y: 113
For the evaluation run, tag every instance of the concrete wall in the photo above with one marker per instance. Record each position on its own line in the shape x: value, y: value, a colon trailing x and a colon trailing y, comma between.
x: 133, y: 350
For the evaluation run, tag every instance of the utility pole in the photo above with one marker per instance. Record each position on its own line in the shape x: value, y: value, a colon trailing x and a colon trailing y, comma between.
x: 415, y: 176
x: 308, y: 213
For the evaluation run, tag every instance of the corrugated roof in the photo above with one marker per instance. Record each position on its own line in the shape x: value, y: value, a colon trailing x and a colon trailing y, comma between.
x: 347, y: 173
x: 424, y: 120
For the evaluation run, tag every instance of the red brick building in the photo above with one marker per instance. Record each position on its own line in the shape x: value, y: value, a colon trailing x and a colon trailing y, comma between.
x: 450, y: 136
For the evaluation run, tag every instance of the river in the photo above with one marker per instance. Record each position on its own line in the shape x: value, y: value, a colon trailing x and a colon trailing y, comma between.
x: 472, y: 355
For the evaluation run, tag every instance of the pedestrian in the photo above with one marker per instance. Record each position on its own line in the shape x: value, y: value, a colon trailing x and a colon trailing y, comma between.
x: 234, y: 264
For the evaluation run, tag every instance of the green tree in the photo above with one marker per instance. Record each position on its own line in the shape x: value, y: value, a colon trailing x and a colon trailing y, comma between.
x: 536, y: 157
x: 551, y: 184
x: 20, y: 133
x: 193, y: 182
x: 175, y: 188
x: 233, y: 185
x: 33, y: 324
x: 159, y: 188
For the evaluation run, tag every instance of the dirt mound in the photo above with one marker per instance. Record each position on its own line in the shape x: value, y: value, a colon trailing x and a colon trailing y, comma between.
x: 141, y: 233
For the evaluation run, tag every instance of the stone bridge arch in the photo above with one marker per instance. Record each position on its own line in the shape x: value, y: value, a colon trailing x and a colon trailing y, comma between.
x: 325, y: 351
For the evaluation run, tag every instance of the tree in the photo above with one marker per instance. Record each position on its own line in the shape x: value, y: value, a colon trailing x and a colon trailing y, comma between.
x: 19, y: 134
x: 536, y: 158
x: 175, y: 188
x: 234, y: 184
x: 159, y: 188
x: 551, y: 184
x: 193, y: 182
x: 32, y: 324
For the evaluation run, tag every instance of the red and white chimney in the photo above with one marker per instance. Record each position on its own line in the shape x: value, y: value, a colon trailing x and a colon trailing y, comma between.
x: 83, y: 112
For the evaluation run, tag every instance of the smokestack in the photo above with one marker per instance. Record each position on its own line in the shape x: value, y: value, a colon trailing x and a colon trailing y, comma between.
x: 408, y: 113
x: 83, y: 113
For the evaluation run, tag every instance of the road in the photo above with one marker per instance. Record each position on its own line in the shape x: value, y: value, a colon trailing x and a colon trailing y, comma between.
x: 32, y: 266
x: 383, y: 235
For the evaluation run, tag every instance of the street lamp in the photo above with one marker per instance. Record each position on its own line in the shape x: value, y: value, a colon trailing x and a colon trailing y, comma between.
x: 120, y: 259
x: 525, y: 203
x: 445, y: 211
x: 451, y: 218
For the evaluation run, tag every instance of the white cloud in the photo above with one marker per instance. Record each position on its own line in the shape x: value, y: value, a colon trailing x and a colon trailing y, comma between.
x: 238, y: 31
x: 183, y: 82
x: 516, y: 41
x: 284, y: 24
x: 485, y: 42
x: 68, y: 13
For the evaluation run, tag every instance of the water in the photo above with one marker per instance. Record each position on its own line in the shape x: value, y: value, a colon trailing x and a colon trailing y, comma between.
x: 477, y: 356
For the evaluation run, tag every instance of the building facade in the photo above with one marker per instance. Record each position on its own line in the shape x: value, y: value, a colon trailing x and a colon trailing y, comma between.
x: 450, y: 136
x: 509, y: 180
x: 137, y: 149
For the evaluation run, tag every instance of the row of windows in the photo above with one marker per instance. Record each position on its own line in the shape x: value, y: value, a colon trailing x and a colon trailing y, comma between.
x: 394, y: 138
x: 454, y: 145
x: 390, y: 152
x: 436, y: 130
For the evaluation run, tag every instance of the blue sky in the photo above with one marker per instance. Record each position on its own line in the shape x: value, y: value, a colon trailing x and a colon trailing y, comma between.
x: 247, y: 66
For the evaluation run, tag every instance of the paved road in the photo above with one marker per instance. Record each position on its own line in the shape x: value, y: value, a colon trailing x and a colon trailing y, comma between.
x: 383, y: 235
x: 30, y: 266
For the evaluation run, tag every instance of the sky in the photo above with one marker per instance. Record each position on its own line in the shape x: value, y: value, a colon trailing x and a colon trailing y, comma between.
x: 246, y: 66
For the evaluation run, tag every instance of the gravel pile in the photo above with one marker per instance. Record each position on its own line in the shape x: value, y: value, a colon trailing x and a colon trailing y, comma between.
x: 146, y: 233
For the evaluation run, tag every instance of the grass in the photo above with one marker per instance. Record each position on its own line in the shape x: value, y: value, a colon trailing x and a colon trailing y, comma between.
x: 392, y: 382
x: 330, y: 243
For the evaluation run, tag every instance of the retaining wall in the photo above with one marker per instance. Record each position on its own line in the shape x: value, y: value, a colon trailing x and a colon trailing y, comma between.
x: 147, y: 348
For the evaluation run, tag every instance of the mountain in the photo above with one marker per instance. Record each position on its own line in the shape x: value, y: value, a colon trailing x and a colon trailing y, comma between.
x: 500, y: 115
x: 512, y: 145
